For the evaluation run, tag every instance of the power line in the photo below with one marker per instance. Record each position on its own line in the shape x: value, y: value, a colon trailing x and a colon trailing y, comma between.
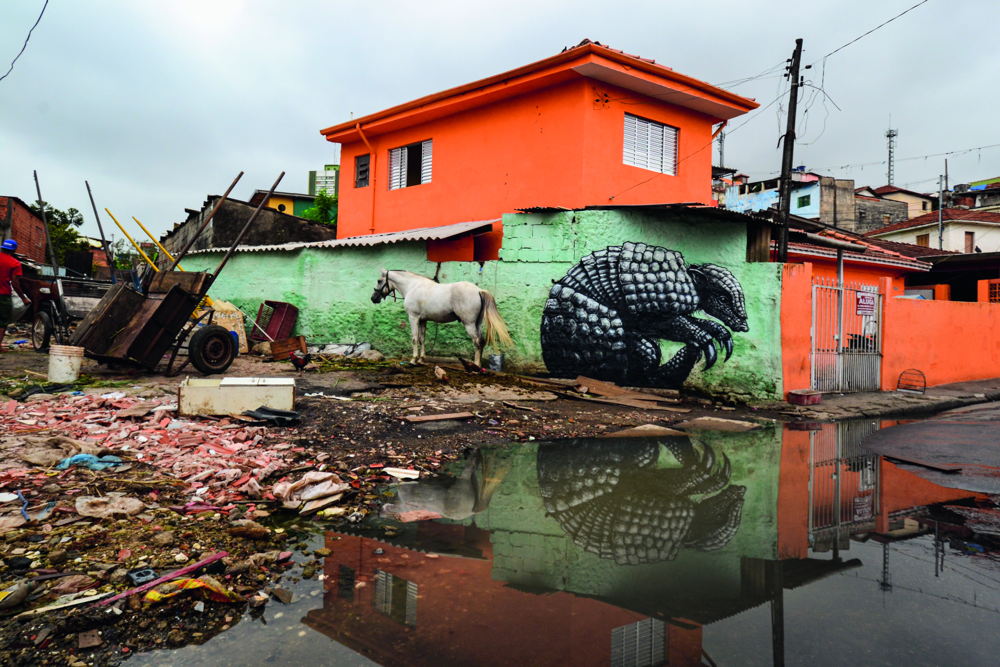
x: 853, y: 165
x: 862, y: 36
x: 25, y: 45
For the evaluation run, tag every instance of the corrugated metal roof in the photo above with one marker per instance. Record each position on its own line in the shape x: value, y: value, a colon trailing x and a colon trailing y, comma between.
x: 422, y: 234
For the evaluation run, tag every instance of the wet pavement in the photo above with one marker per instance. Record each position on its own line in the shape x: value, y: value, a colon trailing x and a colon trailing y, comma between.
x: 790, y: 544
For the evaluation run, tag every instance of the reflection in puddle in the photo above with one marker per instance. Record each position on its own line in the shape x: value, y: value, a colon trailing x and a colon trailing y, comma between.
x: 614, y: 501
x: 748, y: 548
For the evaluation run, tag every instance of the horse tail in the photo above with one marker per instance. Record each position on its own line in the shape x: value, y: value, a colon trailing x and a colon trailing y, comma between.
x: 496, y: 332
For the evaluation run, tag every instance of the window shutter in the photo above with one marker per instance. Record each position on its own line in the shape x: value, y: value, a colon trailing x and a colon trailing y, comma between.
x: 397, y: 168
x: 426, y: 150
x: 649, y: 145
x: 669, y: 150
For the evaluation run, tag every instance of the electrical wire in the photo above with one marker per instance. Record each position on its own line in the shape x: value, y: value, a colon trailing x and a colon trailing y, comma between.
x: 25, y: 45
x: 863, y: 35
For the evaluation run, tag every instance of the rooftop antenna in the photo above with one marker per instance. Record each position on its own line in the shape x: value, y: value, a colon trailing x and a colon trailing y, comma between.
x: 890, y: 138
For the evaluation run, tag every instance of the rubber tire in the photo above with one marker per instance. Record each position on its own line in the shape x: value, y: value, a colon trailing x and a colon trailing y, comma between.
x: 41, y: 332
x: 212, y: 349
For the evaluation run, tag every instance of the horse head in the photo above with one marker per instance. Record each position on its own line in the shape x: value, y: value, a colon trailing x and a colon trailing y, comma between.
x: 382, y: 287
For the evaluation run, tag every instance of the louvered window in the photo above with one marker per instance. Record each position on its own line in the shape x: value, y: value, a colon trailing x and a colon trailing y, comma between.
x: 410, y: 165
x: 639, y: 644
x: 650, y: 145
x: 361, y: 168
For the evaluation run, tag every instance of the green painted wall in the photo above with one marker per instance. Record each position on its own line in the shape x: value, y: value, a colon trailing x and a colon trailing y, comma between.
x: 332, y: 287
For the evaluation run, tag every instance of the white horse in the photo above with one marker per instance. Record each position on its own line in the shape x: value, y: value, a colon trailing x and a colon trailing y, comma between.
x: 426, y: 300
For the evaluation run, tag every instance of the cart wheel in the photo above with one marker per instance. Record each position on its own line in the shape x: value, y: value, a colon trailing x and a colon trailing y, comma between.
x: 212, y: 349
x: 41, y: 332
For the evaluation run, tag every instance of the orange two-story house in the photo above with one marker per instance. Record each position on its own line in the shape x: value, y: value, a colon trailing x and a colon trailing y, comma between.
x: 589, y: 126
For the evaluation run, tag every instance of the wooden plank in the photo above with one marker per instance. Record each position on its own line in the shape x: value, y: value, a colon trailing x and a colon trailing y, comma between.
x: 611, y: 390
x: 440, y: 417
x: 625, y: 402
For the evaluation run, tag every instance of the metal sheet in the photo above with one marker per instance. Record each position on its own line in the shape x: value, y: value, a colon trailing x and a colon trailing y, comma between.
x: 422, y: 234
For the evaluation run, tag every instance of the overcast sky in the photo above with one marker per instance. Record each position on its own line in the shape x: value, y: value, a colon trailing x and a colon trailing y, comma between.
x: 160, y: 103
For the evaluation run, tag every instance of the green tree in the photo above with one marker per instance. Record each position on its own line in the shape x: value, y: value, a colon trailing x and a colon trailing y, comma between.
x: 324, y: 209
x: 62, y: 229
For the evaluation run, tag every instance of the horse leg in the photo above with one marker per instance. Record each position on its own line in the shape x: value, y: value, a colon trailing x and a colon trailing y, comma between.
x: 416, y: 333
x: 472, y: 328
x: 423, y: 340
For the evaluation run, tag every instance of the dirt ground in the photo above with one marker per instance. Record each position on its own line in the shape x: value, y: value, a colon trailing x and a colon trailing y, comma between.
x: 370, y: 426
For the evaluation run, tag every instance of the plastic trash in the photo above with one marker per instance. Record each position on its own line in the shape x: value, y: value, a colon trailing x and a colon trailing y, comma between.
x: 211, y: 588
x: 90, y: 461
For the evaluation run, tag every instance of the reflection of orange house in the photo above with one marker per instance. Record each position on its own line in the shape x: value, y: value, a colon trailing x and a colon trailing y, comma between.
x: 830, y: 488
x: 588, y: 126
x: 399, y: 606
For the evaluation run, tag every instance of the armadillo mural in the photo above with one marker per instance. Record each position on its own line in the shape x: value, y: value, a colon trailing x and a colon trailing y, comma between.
x: 605, y: 318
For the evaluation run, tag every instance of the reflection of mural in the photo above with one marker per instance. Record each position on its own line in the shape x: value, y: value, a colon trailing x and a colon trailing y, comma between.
x: 605, y: 317
x: 613, y: 500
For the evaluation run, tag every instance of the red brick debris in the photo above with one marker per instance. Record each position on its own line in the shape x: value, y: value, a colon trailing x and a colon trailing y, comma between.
x: 221, y: 461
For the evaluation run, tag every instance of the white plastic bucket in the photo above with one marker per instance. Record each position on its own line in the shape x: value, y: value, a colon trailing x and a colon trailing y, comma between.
x: 64, y: 363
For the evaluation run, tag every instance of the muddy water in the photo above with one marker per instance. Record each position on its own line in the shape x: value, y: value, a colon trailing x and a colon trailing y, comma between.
x: 775, y: 546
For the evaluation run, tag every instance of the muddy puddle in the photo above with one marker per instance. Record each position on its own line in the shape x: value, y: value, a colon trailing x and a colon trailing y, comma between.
x: 768, y: 547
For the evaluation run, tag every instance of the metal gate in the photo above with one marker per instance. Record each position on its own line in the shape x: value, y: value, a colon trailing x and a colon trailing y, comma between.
x: 846, y: 336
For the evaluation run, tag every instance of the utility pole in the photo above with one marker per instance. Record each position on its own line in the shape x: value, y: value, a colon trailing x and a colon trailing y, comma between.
x: 785, y: 194
x: 722, y: 148
x: 940, y: 212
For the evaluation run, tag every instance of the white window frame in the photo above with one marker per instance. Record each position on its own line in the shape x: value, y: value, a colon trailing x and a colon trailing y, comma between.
x: 650, y: 145
x: 398, y: 164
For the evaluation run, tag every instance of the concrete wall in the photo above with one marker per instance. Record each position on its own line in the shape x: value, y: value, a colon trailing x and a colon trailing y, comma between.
x: 837, y: 202
x: 871, y: 213
x: 333, y: 286
x: 922, y: 334
x: 269, y: 228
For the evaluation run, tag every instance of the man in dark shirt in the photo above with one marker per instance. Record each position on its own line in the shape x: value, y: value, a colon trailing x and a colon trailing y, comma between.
x: 10, y: 280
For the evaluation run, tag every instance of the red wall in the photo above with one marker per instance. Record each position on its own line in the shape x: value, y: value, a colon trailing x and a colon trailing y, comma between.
x: 27, y: 229
x: 557, y: 146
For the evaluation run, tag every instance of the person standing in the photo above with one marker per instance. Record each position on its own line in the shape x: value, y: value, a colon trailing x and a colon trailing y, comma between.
x: 10, y: 281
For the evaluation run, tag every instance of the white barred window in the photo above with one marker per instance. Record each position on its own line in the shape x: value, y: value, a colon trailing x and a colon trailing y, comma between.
x: 650, y: 145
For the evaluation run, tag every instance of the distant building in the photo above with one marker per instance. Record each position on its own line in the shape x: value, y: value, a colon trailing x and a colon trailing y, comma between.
x: 327, y: 180
x: 832, y: 201
x: 964, y: 230
x: 19, y: 222
x: 917, y: 203
x: 291, y: 203
x: 982, y: 195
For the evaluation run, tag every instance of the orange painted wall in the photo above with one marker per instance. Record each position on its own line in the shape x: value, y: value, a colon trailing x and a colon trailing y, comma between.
x: 796, y: 320
x: 950, y: 341
x: 555, y: 146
